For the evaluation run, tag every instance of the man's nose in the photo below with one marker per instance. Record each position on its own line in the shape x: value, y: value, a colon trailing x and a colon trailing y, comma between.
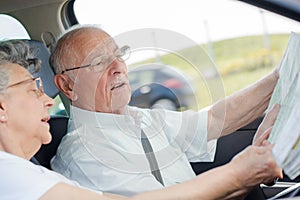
x: 116, y: 66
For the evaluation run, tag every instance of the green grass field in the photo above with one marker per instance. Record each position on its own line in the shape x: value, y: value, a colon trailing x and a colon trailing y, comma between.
x: 236, y: 63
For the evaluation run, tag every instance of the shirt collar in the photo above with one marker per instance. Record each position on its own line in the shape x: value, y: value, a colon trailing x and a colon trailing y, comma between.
x: 98, y: 119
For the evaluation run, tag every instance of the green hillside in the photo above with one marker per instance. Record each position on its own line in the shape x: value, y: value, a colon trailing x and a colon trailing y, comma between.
x: 239, y: 62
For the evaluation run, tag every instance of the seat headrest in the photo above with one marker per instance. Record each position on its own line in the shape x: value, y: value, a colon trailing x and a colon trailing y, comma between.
x: 46, y: 73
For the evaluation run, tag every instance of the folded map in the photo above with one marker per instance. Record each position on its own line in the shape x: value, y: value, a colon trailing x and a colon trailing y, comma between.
x: 285, y: 134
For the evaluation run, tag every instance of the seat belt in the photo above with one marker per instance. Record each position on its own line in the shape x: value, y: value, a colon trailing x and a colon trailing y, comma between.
x: 151, y: 157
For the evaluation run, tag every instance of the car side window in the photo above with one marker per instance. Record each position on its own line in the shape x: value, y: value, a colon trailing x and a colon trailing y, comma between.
x: 11, y: 28
x: 234, y: 51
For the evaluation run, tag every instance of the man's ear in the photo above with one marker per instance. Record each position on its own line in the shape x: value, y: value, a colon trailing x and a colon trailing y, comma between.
x: 65, y: 85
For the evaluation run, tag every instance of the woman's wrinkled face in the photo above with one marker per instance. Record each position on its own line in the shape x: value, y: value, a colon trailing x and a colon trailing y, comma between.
x: 26, y: 110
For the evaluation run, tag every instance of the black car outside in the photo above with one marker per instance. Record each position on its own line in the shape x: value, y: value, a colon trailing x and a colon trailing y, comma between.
x: 161, y: 86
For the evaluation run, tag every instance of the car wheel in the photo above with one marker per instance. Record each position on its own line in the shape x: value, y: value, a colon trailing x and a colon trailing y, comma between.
x: 164, y: 104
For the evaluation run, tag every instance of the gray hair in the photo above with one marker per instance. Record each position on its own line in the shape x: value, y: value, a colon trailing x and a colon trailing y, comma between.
x: 64, y: 49
x: 18, y: 52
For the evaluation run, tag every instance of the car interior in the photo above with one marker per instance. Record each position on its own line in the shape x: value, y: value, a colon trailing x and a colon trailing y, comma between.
x: 42, y: 41
x: 58, y: 128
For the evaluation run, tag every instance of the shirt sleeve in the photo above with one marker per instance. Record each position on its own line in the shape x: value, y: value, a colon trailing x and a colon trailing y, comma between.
x: 189, y: 130
x: 21, y: 179
x: 201, y: 150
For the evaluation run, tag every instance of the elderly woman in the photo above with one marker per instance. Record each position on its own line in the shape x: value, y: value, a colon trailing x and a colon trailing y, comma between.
x: 23, y: 129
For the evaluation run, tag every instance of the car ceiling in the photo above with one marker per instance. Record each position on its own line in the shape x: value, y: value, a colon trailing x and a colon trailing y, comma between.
x: 7, y: 6
x: 290, y: 8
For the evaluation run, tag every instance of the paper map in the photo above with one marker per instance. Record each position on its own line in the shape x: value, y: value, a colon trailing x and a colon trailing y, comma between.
x: 285, y: 134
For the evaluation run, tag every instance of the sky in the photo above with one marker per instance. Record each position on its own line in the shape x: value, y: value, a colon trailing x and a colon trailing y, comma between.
x: 200, y: 20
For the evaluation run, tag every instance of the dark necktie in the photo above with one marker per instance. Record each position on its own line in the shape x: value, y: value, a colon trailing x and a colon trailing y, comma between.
x: 151, y: 157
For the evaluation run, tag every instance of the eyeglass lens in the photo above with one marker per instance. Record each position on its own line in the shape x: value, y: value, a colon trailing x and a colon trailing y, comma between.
x: 39, y: 85
x: 102, y: 62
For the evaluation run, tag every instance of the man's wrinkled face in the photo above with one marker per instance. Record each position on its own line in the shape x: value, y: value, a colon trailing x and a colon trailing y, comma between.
x: 104, y: 85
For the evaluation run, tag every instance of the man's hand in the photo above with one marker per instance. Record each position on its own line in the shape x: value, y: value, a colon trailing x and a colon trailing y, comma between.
x: 256, y: 165
x: 265, y: 127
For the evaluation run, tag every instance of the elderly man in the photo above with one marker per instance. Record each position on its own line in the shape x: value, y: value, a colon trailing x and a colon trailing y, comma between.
x: 107, y: 146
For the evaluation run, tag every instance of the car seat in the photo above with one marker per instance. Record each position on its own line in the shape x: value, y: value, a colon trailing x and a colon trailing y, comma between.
x: 58, y: 124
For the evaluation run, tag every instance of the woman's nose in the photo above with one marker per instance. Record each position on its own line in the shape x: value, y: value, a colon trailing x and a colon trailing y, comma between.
x: 49, y: 102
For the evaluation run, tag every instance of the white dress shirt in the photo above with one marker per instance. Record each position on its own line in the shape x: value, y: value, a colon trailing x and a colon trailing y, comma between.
x: 104, y: 152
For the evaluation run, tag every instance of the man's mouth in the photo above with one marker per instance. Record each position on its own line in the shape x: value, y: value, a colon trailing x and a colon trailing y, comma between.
x: 117, y: 86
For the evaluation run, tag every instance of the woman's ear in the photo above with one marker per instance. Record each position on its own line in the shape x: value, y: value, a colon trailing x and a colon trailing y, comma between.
x: 3, y: 118
x: 3, y: 115
x: 65, y: 85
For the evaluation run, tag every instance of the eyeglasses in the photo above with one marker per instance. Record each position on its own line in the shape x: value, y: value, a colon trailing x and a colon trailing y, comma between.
x: 38, y: 82
x: 101, y: 62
